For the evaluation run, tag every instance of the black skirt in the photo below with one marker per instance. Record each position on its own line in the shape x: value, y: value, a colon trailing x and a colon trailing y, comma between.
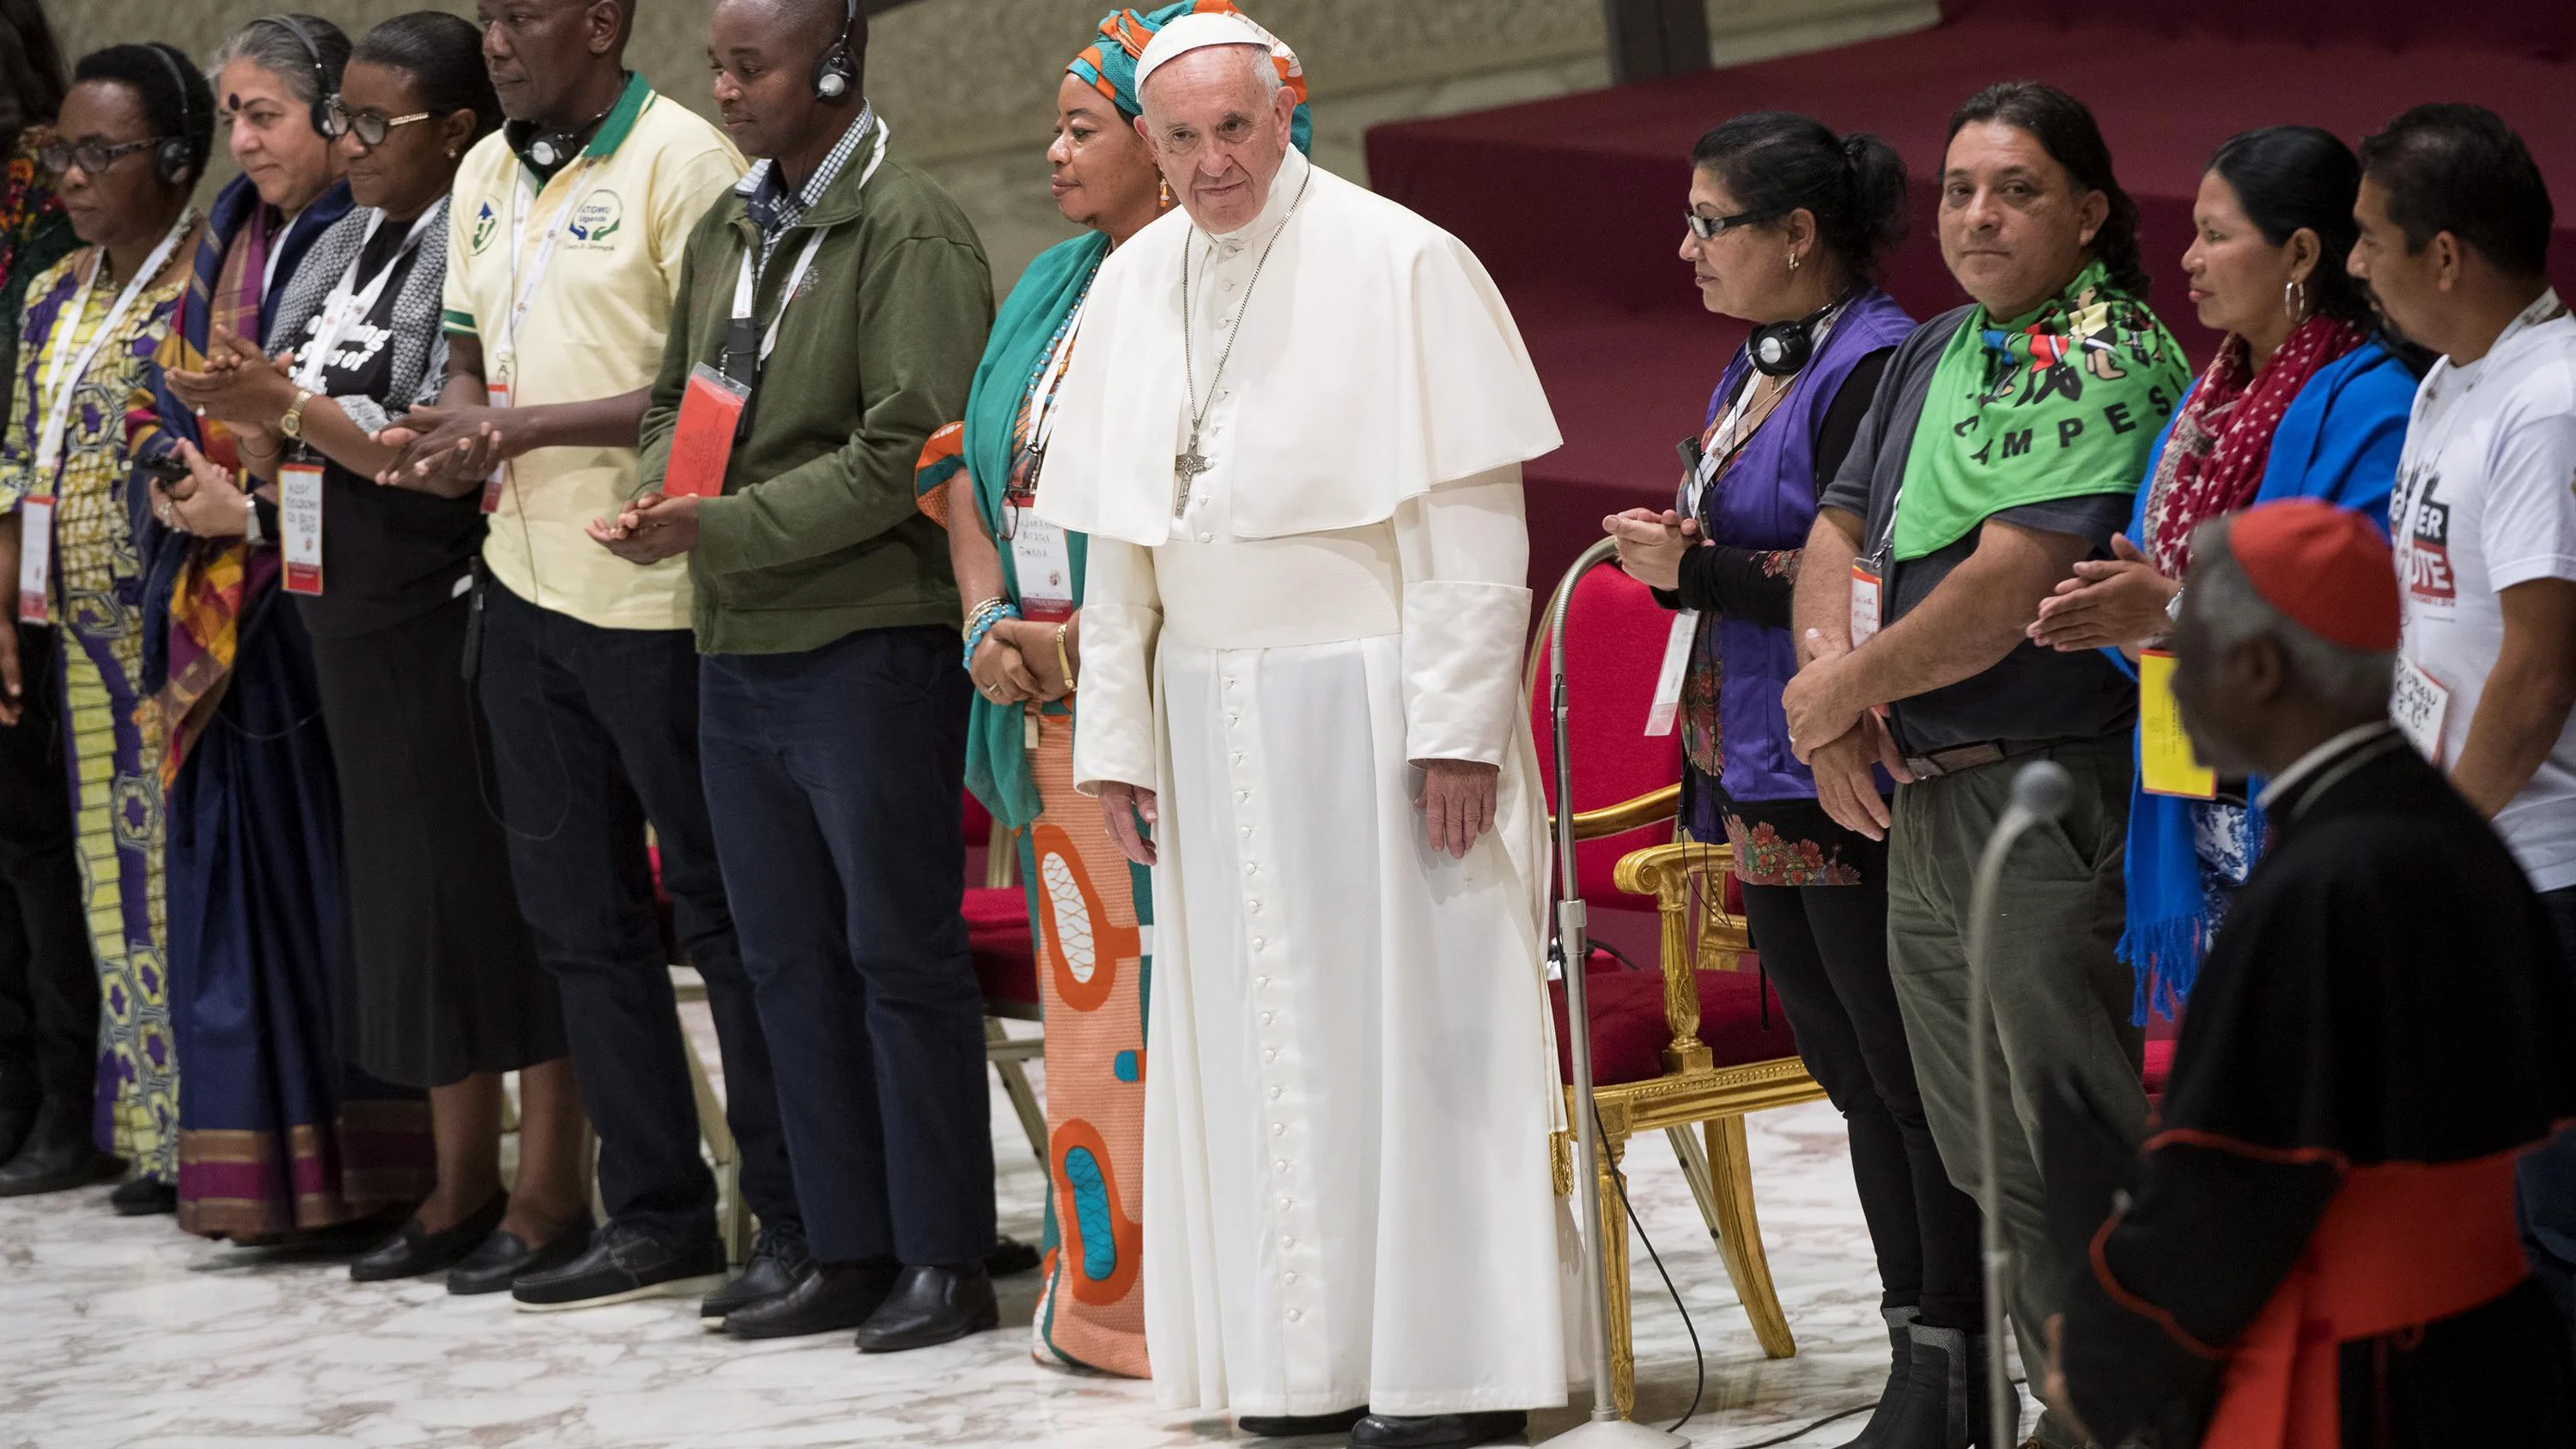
x: 444, y: 978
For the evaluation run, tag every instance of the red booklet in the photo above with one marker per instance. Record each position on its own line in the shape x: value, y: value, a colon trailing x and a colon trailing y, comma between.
x: 702, y: 443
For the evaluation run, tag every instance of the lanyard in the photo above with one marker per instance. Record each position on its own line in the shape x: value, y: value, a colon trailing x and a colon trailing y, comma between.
x: 2413, y: 484
x: 1042, y: 393
x: 63, y: 376
x: 747, y: 280
x: 348, y: 305
x: 524, y: 291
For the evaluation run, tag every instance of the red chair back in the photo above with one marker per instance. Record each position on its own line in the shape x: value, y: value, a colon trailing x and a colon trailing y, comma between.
x: 1615, y: 634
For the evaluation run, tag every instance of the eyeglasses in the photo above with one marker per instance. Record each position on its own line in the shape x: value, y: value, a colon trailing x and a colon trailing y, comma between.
x: 93, y: 156
x: 1709, y: 228
x: 370, y: 127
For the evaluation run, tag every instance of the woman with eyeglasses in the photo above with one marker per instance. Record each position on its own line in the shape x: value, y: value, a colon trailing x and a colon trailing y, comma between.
x: 272, y: 1139
x: 48, y: 988
x: 1786, y: 224
x: 443, y: 991
x: 129, y: 144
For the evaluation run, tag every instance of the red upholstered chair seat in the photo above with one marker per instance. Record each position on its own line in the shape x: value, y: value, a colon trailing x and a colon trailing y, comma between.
x: 997, y: 932
x: 1628, y: 1025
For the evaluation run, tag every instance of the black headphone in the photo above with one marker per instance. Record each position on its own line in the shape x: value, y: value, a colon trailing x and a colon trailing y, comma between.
x: 172, y: 159
x: 834, y: 70
x: 1779, y: 349
x: 320, y: 111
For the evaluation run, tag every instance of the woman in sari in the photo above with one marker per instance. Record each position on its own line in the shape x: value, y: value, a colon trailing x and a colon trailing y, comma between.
x: 2304, y: 400
x: 276, y: 1134
x: 1088, y: 906
x: 130, y: 143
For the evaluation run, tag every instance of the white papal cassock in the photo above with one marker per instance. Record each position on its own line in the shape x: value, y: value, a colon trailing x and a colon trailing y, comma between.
x: 1349, y: 1077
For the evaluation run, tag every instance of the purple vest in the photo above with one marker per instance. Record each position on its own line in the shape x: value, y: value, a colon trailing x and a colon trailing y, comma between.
x: 1767, y: 500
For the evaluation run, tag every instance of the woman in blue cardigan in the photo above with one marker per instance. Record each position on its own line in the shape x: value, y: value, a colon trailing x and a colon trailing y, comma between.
x: 2304, y: 400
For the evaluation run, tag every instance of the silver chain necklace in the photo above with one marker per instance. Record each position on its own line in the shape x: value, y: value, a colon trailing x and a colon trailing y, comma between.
x: 1191, y: 462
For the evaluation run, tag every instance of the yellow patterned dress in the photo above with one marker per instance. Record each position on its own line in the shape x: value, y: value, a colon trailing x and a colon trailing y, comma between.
x: 114, y: 764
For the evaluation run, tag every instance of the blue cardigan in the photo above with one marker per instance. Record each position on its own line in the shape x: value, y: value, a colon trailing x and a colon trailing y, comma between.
x: 2338, y: 440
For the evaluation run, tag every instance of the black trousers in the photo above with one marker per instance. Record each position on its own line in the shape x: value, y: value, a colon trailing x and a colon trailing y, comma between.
x: 48, y: 979
x: 2546, y: 1197
x: 834, y: 776
x: 595, y: 733
x: 1825, y: 948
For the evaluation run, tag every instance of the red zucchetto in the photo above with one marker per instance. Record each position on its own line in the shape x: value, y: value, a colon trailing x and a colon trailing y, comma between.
x: 2325, y: 567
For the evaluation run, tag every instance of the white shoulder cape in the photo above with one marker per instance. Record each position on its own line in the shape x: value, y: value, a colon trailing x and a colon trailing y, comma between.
x: 1399, y: 370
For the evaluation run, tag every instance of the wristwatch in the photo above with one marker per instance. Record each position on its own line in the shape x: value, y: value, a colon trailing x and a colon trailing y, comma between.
x: 292, y: 423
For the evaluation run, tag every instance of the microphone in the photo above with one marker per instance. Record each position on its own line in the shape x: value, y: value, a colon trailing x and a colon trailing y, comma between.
x: 2041, y: 793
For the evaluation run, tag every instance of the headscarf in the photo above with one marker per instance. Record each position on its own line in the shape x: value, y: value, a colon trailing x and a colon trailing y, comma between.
x: 1108, y: 64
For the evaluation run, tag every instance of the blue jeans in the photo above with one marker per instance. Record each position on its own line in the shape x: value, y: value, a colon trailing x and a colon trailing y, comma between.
x: 834, y: 778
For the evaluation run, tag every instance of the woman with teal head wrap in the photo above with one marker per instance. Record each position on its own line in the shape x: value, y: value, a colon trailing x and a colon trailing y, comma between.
x: 1090, y: 912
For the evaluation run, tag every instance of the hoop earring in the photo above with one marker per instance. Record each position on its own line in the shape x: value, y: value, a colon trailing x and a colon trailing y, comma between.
x: 2294, y: 300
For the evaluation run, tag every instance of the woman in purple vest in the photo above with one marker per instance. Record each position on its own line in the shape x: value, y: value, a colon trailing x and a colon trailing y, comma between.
x: 1786, y: 224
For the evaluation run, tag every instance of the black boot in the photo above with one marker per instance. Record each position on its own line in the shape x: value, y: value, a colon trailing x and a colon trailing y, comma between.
x: 1900, y: 1380
x: 56, y: 1156
x: 1945, y: 1401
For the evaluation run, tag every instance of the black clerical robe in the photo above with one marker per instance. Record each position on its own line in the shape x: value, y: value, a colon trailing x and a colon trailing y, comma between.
x: 2318, y: 1251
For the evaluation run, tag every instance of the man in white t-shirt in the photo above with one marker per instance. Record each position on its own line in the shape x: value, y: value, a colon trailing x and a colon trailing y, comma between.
x: 2455, y: 225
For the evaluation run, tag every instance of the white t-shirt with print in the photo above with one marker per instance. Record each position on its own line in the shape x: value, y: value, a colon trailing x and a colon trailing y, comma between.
x: 2486, y: 499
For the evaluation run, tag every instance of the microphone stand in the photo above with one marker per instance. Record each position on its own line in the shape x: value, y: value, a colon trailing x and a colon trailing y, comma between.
x: 2041, y: 791
x: 1606, y: 1429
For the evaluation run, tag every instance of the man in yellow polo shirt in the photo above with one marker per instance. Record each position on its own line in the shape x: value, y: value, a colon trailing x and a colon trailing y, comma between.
x: 563, y: 259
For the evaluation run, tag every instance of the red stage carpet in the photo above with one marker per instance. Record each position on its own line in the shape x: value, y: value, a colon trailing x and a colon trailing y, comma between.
x: 1576, y: 203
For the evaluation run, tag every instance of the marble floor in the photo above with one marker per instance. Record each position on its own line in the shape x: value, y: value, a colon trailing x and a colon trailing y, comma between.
x: 122, y: 1332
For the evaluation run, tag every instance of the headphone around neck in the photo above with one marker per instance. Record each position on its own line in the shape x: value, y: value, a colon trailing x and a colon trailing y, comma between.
x: 835, y: 71
x: 172, y: 159
x: 319, y: 112
x: 1779, y: 349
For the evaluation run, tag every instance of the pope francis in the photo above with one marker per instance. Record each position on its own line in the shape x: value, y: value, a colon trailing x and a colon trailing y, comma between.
x: 1294, y: 431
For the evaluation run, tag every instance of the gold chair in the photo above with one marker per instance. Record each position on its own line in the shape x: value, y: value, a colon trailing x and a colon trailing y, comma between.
x: 1688, y: 1086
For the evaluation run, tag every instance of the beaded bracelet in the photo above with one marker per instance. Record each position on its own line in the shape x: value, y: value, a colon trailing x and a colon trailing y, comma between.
x: 987, y: 614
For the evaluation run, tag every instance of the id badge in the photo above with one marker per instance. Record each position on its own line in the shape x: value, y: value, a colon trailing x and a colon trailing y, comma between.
x: 2167, y: 764
x: 497, y: 393
x: 1043, y: 559
x: 1668, y: 680
x: 702, y: 441
x: 35, y: 561
x: 1864, y: 604
x: 299, y: 526
x: 2419, y: 704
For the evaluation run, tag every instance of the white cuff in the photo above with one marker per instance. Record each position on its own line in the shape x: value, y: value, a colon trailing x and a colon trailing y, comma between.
x: 1462, y: 668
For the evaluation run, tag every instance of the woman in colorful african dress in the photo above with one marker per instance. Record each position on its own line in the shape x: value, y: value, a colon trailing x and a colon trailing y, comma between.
x: 1022, y: 580
x: 276, y: 1134
x: 130, y: 143
x: 1786, y: 224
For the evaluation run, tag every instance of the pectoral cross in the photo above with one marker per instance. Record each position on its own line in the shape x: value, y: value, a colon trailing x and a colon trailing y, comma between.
x: 1186, y: 469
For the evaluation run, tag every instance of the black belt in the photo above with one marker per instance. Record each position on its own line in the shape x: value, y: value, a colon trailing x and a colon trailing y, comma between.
x: 1953, y: 759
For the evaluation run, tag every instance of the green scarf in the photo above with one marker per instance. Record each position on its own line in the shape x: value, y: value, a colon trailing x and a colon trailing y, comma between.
x: 2064, y: 402
x: 997, y: 763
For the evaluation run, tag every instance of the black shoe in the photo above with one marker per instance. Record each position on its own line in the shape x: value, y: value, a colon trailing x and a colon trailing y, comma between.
x: 826, y: 1298
x: 1945, y: 1406
x: 414, y: 1250
x: 1298, y: 1426
x: 144, y: 1197
x: 779, y: 1260
x: 505, y: 1257
x: 1010, y: 1258
x: 623, y: 1263
x: 57, y: 1156
x: 1900, y: 1380
x: 18, y: 1123
x: 1436, y: 1431
x: 928, y: 1306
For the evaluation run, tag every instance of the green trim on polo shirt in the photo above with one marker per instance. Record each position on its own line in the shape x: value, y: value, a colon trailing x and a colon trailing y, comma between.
x: 621, y: 117
x: 455, y: 323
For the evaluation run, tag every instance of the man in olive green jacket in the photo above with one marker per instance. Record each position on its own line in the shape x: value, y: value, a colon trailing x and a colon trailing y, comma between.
x: 839, y: 300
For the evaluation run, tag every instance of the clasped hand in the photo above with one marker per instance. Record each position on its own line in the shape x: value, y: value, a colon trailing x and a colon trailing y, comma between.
x: 1651, y: 544
x: 444, y: 450
x: 207, y: 502
x: 1015, y: 663
x: 240, y: 386
x: 2113, y: 603
x: 651, y: 528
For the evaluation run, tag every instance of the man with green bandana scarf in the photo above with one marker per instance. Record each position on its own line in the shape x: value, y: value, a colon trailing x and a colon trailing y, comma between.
x: 2006, y: 443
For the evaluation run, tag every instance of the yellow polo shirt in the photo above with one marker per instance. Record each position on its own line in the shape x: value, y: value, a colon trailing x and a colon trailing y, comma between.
x: 594, y: 328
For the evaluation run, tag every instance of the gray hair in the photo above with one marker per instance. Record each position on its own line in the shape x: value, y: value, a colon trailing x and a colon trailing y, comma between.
x: 2224, y: 599
x: 309, y: 73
